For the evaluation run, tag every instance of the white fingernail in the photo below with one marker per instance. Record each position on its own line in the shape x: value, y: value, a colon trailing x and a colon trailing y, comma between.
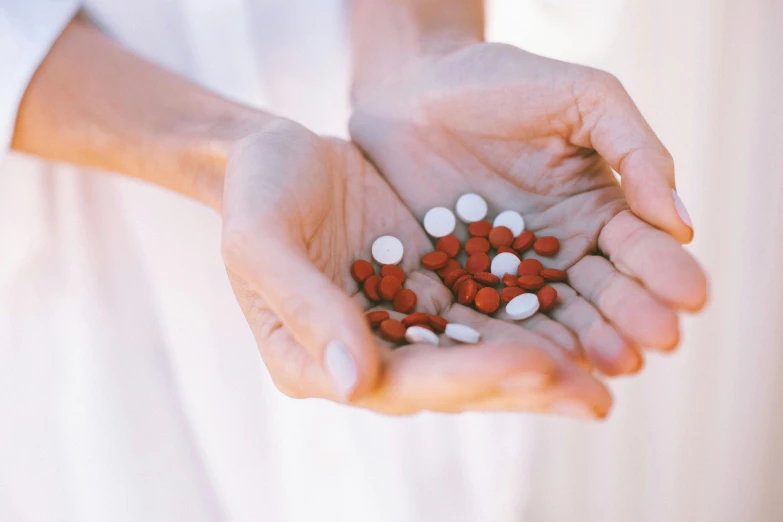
x: 576, y: 410
x: 341, y: 368
x: 681, y: 210
x: 532, y: 381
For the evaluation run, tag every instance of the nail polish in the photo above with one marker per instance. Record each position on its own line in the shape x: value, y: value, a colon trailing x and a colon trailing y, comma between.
x: 341, y: 368
x: 681, y: 210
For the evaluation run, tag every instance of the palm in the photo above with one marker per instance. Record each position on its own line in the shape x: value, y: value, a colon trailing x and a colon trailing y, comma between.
x: 432, y: 148
x: 332, y: 205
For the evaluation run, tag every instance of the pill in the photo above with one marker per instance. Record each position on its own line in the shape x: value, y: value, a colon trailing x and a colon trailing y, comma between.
x: 504, y: 263
x: 466, y: 292
x: 510, y: 280
x: 451, y: 265
x: 524, y: 241
x: 434, y: 260
x: 418, y: 334
x: 387, y: 250
x: 462, y: 333
x: 512, y: 220
x: 510, y: 292
x: 501, y: 237
x: 393, y: 270
x: 522, y: 306
x: 471, y: 208
x: 370, y: 288
x: 487, y: 300
x: 547, y: 297
x: 475, y: 245
x: 361, y: 270
x: 508, y: 250
x: 458, y: 282
x: 479, y: 228
x: 425, y: 326
x: 416, y: 318
x: 405, y: 301
x: 439, y: 222
x: 392, y: 330
x: 531, y: 283
x: 376, y: 318
x: 388, y: 287
x: 452, y: 277
x: 478, y: 262
x: 486, y: 278
x: 448, y: 244
x: 546, y: 246
x: 529, y: 267
x: 438, y: 323
x: 553, y: 274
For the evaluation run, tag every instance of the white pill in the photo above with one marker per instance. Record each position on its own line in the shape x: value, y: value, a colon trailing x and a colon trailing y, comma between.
x: 522, y: 306
x: 417, y: 334
x: 439, y: 222
x: 462, y: 333
x: 387, y: 250
x: 471, y: 208
x: 511, y: 219
x: 504, y: 263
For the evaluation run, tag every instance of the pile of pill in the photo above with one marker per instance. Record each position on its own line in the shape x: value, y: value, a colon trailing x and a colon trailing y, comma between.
x: 522, y: 282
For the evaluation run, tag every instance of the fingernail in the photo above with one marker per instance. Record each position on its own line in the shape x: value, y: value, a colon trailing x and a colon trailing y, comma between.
x: 681, y: 210
x: 573, y: 409
x: 341, y: 368
x: 532, y: 381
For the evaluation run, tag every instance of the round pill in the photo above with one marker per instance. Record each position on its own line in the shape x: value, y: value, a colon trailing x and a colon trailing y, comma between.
x: 451, y: 278
x: 417, y: 334
x: 371, y: 288
x: 531, y: 282
x: 509, y: 250
x: 547, y: 297
x: 522, y: 306
x: 512, y: 220
x: 405, y: 301
x: 546, y: 246
x: 487, y: 300
x: 504, y: 263
x: 438, y: 323
x: 524, y: 241
x: 448, y: 244
x: 376, y: 318
x: 434, y: 260
x: 439, y: 222
x: 393, y: 270
x: 553, y: 274
x: 479, y: 228
x: 510, y: 292
x: 387, y: 250
x: 458, y: 282
x: 485, y: 278
x: 476, y: 244
x: 466, y: 292
x: 501, y: 237
x: 388, y: 287
x: 471, y: 208
x: 451, y: 265
x: 462, y: 333
x: 529, y: 267
x: 478, y: 262
x: 510, y: 280
x: 392, y: 330
x: 416, y: 318
x: 361, y: 270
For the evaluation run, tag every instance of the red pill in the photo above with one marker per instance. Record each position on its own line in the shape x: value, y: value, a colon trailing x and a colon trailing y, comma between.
x: 452, y: 277
x: 524, y: 241
x: 507, y: 249
x: 486, y: 278
x: 393, y: 270
x: 376, y: 318
x: 531, y: 282
x: 438, y: 323
x: 451, y: 265
x: 478, y: 262
x: 405, y: 301
x: 426, y: 327
x: 449, y: 245
x: 416, y: 318
x: 547, y: 298
x: 371, y: 288
x: 458, y: 282
x: 501, y: 236
x: 392, y: 330
x: 487, y: 300
x: 479, y: 228
x: 434, y: 260
x: 510, y: 280
x: 361, y: 270
x: 466, y: 292
x: 553, y: 274
x: 529, y: 267
x: 546, y: 246
x: 510, y: 292
x: 388, y: 287
x: 475, y: 245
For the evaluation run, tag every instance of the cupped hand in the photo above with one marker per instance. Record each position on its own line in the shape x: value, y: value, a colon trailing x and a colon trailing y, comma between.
x: 542, y: 137
x: 298, y: 210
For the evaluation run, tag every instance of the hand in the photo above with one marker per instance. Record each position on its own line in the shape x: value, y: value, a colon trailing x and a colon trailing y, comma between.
x: 542, y: 137
x: 298, y: 210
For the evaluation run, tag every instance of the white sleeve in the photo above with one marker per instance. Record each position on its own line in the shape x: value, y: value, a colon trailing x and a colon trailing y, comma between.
x: 28, y: 28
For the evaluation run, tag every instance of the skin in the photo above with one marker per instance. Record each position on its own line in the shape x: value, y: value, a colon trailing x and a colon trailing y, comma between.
x: 297, y: 209
x: 450, y: 114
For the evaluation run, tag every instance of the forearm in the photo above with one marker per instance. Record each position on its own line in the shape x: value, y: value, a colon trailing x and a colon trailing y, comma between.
x: 385, y: 34
x: 95, y: 104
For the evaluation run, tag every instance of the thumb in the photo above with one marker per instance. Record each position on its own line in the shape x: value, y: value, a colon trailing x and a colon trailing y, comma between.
x: 613, y: 126
x: 319, y: 316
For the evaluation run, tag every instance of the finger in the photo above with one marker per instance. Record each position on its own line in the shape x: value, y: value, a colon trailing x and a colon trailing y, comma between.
x: 605, y: 347
x: 319, y: 315
x: 625, y: 303
x: 649, y: 255
x: 611, y: 124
